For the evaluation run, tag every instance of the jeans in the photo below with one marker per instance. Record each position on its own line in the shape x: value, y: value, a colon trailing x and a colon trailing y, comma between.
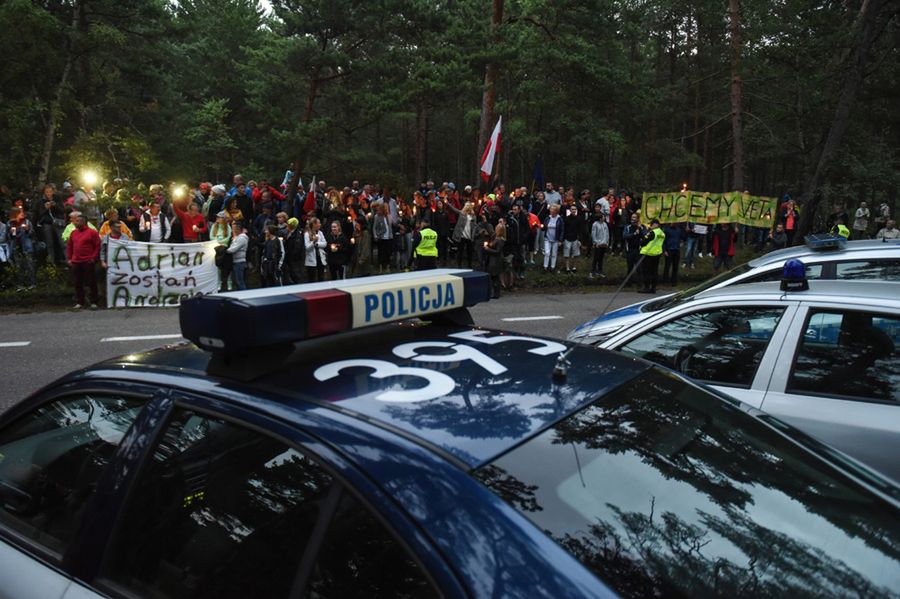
x: 551, y: 249
x: 538, y: 240
x: 51, y: 238
x: 670, y: 265
x: 689, y: 248
x: 237, y: 274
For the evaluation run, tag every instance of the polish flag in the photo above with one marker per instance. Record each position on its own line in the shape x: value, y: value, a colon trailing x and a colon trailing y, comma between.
x: 490, y: 153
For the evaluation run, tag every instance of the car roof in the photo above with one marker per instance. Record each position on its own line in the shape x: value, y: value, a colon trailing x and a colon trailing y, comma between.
x: 861, y: 292
x: 802, y: 251
x: 483, y: 415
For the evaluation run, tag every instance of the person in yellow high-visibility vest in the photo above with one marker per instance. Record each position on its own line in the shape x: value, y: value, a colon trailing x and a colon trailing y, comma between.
x: 651, y: 250
x: 425, y: 249
x: 841, y: 228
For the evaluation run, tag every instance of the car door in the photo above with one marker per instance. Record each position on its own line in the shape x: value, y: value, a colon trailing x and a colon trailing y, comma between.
x: 730, y: 345
x: 52, y: 457
x: 230, y: 503
x: 839, y: 380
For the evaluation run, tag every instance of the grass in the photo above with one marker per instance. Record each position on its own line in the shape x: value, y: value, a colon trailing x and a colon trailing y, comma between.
x: 54, y: 289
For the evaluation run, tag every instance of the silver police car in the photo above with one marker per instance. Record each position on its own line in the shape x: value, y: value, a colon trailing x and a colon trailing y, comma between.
x: 857, y: 260
x: 825, y: 360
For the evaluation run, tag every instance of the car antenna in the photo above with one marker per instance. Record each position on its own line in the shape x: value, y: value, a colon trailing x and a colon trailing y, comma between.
x: 622, y: 284
x: 562, y: 365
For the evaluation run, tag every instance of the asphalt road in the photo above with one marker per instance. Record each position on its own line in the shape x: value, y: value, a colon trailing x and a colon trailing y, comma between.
x: 37, y: 348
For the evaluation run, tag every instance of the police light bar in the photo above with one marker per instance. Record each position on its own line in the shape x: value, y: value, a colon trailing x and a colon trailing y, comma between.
x: 241, y: 320
x: 825, y: 241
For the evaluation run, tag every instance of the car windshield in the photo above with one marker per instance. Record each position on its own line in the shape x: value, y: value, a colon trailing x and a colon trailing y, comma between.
x: 688, y: 294
x: 663, y: 489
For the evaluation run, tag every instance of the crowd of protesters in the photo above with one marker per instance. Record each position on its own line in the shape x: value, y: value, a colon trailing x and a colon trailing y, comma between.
x: 330, y: 233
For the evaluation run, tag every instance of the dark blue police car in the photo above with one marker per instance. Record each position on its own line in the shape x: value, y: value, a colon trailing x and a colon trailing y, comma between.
x: 308, y: 444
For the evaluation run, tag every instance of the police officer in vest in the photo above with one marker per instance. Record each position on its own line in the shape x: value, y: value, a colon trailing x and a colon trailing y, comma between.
x: 841, y: 228
x: 651, y: 250
x: 425, y: 248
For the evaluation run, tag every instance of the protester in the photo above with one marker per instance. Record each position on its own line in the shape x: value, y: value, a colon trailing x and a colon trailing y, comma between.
x: 790, y: 217
x: 464, y: 233
x: 554, y: 233
x: 571, y: 238
x: 493, y: 249
x: 294, y: 252
x: 861, y: 221
x: 315, y: 244
x: 114, y: 230
x: 155, y: 227
x: 361, y: 260
x: 384, y: 236
x: 238, y: 251
x: 777, y: 238
x: 50, y: 220
x: 338, y: 251
x: 889, y: 231
x: 631, y: 236
x: 272, y: 258
x: 21, y: 243
x: 671, y: 252
x: 724, y: 238
x: 82, y: 251
x: 600, y: 242
x: 193, y: 225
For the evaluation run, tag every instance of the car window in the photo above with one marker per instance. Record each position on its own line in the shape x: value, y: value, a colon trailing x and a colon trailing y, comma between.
x: 51, y: 460
x: 360, y: 559
x: 707, y: 345
x: 224, y: 511
x: 662, y: 490
x: 813, y: 271
x: 879, y: 270
x: 848, y: 353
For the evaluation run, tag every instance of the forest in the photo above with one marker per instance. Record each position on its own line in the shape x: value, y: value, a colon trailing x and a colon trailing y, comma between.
x: 776, y: 97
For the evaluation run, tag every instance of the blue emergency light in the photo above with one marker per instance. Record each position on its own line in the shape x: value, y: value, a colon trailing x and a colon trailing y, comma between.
x: 243, y: 320
x: 793, y: 276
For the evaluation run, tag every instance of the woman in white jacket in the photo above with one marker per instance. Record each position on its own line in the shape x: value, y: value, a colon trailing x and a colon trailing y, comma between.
x: 315, y: 251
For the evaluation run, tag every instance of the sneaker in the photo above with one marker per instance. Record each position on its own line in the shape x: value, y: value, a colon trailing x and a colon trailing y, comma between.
x: 692, y: 267
x: 77, y: 306
x: 591, y: 275
x: 699, y: 254
x: 30, y: 287
x: 683, y: 265
x: 93, y: 306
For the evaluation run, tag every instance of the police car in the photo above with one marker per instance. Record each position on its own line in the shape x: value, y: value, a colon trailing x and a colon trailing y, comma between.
x: 824, y: 357
x: 317, y: 441
x: 853, y: 260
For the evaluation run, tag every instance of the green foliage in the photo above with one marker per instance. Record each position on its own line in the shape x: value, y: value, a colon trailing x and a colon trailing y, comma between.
x: 605, y: 92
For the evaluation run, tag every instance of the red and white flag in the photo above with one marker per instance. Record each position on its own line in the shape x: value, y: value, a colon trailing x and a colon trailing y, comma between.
x: 490, y: 152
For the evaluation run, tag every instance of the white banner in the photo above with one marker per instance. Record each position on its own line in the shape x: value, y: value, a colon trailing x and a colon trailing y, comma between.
x: 159, y: 274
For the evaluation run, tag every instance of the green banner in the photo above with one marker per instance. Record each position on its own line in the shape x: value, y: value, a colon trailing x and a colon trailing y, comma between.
x: 710, y: 208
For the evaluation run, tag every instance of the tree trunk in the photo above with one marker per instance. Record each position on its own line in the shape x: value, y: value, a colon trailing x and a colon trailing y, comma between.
x: 300, y: 160
x: 56, y: 104
x: 421, y: 140
x: 855, y: 69
x: 737, y: 143
x: 490, y: 79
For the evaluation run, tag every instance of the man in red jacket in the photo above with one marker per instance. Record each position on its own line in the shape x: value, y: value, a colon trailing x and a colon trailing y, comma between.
x: 82, y: 251
x: 193, y: 224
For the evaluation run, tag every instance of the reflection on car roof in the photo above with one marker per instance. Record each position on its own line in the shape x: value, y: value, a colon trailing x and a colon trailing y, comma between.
x: 857, y: 291
x: 499, y: 387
